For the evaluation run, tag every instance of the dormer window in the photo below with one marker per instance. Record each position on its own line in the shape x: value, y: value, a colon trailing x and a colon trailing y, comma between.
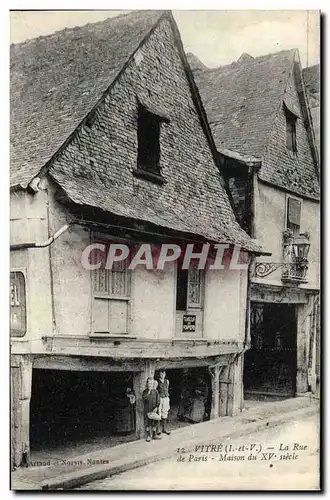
x: 291, y: 135
x: 149, y: 126
x: 148, y: 141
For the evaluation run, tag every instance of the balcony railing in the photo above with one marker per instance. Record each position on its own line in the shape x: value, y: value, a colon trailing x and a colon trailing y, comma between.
x: 295, y: 262
x: 295, y: 253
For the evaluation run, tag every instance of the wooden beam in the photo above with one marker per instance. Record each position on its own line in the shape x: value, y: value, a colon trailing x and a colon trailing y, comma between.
x: 215, y: 385
x: 223, y: 391
x: 234, y: 402
x: 81, y: 363
x: 192, y: 362
x: 21, y: 384
x: 136, y: 349
x: 138, y: 387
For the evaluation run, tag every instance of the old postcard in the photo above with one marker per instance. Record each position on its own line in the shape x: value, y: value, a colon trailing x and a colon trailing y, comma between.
x: 165, y: 250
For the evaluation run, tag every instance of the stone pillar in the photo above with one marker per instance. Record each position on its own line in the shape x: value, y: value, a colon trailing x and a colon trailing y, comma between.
x: 139, y: 384
x: 21, y: 384
x: 303, y: 323
x: 215, y: 385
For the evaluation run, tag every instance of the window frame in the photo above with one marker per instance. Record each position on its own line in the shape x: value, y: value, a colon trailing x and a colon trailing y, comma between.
x: 108, y: 296
x: 190, y: 305
x: 24, y: 274
x: 291, y: 131
x: 287, y: 197
x: 149, y: 148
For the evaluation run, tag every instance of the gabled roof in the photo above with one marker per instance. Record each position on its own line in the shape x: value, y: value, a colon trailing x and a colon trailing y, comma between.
x: 61, y: 79
x: 311, y: 76
x: 241, y: 100
x: 57, y: 79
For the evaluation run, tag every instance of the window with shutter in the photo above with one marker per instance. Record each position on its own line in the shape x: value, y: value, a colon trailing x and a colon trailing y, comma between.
x: 293, y: 215
x: 189, y: 288
x: 111, y: 290
x: 17, y: 304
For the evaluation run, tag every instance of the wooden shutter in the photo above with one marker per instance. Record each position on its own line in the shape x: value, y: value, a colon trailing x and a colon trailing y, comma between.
x: 111, y: 299
x: 195, y: 284
x: 294, y: 212
x: 17, y: 304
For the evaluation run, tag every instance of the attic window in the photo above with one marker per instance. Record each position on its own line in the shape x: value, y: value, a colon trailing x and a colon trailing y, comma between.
x: 148, y: 141
x: 291, y: 134
x: 90, y: 120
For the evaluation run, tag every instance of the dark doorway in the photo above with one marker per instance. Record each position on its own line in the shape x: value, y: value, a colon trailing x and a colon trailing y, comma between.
x: 190, y: 396
x: 270, y: 365
x: 76, y: 406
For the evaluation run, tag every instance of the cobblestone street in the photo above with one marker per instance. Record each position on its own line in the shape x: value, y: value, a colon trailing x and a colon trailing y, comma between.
x: 299, y: 470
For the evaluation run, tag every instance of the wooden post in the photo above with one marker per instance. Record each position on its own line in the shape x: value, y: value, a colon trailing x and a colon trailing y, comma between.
x: 235, y: 387
x: 223, y: 391
x: 21, y: 383
x: 215, y: 385
x: 139, y: 384
x: 302, y: 347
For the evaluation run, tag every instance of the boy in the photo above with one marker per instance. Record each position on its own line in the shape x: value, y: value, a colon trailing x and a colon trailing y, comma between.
x: 151, y: 402
x: 163, y: 389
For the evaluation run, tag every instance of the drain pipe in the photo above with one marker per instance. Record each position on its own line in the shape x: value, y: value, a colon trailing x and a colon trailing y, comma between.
x: 49, y: 241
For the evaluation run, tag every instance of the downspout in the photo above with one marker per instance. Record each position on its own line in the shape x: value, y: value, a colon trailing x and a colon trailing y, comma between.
x: 49, y: 241
x: 251, y: 267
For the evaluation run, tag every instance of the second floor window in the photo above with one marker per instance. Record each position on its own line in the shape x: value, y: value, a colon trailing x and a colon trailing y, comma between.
x: 293, y: 215
x: 111, y: 298
x: 148, y: 141
x: 17, y: 304
x: 291, y: 134
x: 189, y: 292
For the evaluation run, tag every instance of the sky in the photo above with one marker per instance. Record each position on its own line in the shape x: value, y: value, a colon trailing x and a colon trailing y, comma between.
x: 216, y: 37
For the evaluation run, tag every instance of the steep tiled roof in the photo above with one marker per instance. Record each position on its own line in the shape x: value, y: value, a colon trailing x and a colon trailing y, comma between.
x: 311, y: 77
x: 241, y: 100
x: 120, y: 201
x: 57, y: 79
x: 194, y: 62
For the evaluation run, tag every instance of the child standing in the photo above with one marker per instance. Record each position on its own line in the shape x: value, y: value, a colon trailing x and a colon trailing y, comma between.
x: 163, y: 389
x: 151, y: 401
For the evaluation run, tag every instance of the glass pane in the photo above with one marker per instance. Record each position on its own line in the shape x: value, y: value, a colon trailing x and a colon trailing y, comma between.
x: 119, y: 279
x: 101, y: 280
x: 194, y: 285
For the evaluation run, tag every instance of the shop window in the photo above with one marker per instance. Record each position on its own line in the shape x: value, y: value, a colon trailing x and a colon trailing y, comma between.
x: 17, y: 304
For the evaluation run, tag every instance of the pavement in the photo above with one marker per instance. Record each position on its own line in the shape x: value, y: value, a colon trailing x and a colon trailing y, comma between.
x: 283, y: 458
x: 66, y: 474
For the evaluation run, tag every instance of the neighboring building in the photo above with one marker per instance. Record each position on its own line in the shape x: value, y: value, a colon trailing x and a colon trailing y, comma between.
x: 311, y: 76
x: 110, y: 143
x: 262, y: 127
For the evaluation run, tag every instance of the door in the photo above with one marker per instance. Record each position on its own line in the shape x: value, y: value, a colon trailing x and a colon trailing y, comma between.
x: 270, y: 364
